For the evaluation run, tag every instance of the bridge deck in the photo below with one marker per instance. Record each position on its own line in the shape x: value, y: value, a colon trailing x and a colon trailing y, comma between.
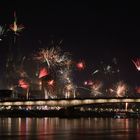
x: 67, y: 102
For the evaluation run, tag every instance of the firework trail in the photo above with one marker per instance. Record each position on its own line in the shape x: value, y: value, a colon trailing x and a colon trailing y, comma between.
x: 137, y: 64
x: 3, y: 32
x: 15, y: 27
x: 49, y: 89
x: 69, y: 90
x: 19, y: 69
x: 64, y: 79
x: 96, y: 71
x: 64, y: 75
x: 12, y: 64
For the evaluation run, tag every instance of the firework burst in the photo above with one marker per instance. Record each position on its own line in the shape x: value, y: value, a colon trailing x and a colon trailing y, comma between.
x: 58, y: 66
x: 15, y: 27
x: 80, y: 65
x: 53, y: 57
x: 96, y: 87
x: 120, y: 89
x: 23, y: 84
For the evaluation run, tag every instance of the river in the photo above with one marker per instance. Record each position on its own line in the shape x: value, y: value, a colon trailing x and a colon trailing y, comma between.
x: 69, y: 129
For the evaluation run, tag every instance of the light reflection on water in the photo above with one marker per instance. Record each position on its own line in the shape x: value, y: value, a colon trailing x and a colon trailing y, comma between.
x: 69, y: 129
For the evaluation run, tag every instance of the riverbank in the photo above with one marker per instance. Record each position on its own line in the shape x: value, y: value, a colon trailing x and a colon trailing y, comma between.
x: 64, y: 113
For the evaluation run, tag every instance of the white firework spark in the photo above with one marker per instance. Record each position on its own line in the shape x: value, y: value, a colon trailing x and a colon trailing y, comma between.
x: 53, y: 57
x: 2, y: 32
x: 120, y: 89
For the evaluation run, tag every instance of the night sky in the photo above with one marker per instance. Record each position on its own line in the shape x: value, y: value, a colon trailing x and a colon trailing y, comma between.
x: 91, y: 32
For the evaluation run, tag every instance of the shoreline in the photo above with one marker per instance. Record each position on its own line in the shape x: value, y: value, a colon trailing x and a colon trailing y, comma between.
x: 62, y: 113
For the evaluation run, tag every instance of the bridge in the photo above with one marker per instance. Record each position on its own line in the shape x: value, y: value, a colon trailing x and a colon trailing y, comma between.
x: 67, y: 102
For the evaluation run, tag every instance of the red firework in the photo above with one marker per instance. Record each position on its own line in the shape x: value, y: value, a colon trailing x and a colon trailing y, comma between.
x: 137, y: 89
x: 80, y: 65
x: 23, y: 84
x: 50, y: 82
x: 43, y: 72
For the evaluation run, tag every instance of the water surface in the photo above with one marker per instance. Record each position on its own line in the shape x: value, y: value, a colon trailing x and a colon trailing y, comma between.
x: 69, y: 129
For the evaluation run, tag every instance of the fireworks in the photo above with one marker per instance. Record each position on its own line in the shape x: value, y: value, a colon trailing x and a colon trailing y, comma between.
x: 95, y: 88
x: 69, y: 90
x: 109, y: 68
x: 43, y: 72
x: 50, y: 82
x: 23, y: 84
x: 88, y: 83
x: 65, y: 75
x: 137, y: 64
x: 2, y: 32
x: 14, y: 27
x: 137, y: 89
x: 96, y: 85
x: 65, y: 81
x: 80, y: 65
x: 58, y: 65
x: 96, y: 71
x: 21, y: 72
x: 54, y: 71
x: 53, y: 57
x: 120, y: 89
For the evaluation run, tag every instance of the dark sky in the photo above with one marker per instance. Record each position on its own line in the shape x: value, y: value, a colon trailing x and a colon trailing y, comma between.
x: 82, y: 26
x: 92, y: 32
